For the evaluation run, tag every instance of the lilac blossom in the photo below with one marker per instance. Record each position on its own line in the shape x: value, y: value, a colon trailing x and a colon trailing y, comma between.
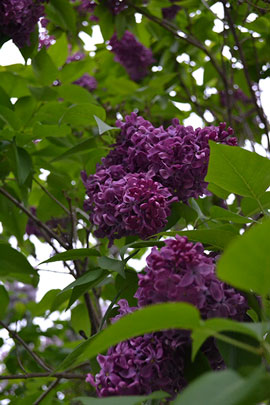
x: 178, y: 156
x: 86, y: 8
x: 169, y: 13
x: 131, y: 54
x: 45, y: 40
x: 58, y: 225
x: 132, y: 205
x: 116, y: 6
x: 236, y: 95
x: 180, y: 271
x: 19, y: 18
x: 75, y: 57
x: 140, y: 365
x: 87, y: 82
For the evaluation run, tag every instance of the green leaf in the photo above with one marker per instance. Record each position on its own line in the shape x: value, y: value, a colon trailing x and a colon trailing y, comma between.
x: 82, y: 115
x: 4, y: 99
x: 218, y: 237
x: 130, y: 400
x: 75, y: 94
x: 62, y: 14
x: 10, y: 118
x: 149, y: 319
x: 13, y: 264
x: 73, y: 254
x: 24, y: 165
x: 44, y: 68
x: 80, y: 147
x: 4, y: 299
x: 250, y: 206
x: 223, y: 388
x: 84, y: 279
x: 238, y: 171
x: 80, y: 319
x: 245, y: 263
x: 211, y: 327
x: 41, y: 131
x: 59, y: 51
x: 39, y: 308
x: 24, y: 108
x: 102, y: 126
x: 107, y: 263
x: 220, y: 213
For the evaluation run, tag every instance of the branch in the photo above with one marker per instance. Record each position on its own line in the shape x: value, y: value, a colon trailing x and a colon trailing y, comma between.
x: 68, y: 376
x: 259, y: 109
x: 45, y: 393
x: 51, y: 196
x: 33, y: 217
x: 185, y: 37
x: 17, y: 337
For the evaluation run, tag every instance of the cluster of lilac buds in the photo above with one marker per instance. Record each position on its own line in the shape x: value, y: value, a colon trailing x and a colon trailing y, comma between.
x: 171, y: 162
x: 131, y: 54
x: 181, y: 272
x: 19, y: 18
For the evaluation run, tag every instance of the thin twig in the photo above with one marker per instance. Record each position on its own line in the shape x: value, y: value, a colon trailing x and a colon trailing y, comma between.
x: 68, y: 376
x: 259, y: 109
x: 91, y: 313
x: 17, y: 337
x: 48, y: 390
x: 51, y: 196
x: 33, y: 217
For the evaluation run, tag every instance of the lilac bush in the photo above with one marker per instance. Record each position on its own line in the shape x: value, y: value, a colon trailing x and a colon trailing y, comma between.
x: 19, y: 18
x: 131, y: 54
x: 134, y: 204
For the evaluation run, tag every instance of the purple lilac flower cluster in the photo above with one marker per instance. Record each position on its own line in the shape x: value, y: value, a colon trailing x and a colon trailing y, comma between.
x: 146, y: 171
x: 237, y: 95
x: 87, y: 82
x: 87, y: 7
x: 131, y: 54
x: 178, y: 156
x: 19, y: 18
x: 126, y: 204
x: 58, y: 225
x: 169, y: 13
x: 116, y: 6
x: 179, y: 271
x: 141, y: 365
